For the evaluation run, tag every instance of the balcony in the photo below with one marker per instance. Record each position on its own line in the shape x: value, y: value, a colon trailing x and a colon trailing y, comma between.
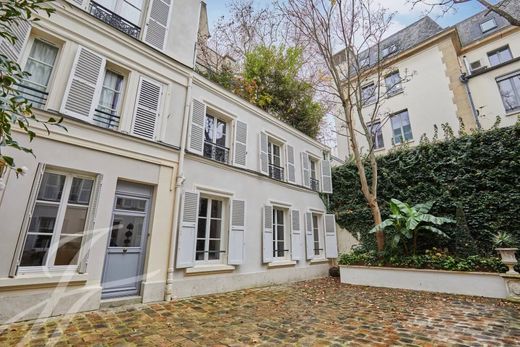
x: 315, y: 184
x: 35, y: 97
x: 216, y: 152
x: 276, y: 172
x: 109, y: 120
x: 114, y: 20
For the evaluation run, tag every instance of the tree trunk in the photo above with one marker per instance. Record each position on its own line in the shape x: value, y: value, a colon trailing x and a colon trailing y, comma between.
x: 376, y: 214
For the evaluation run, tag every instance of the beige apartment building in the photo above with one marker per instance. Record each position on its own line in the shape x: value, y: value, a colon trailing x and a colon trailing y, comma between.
x: 467, y: 74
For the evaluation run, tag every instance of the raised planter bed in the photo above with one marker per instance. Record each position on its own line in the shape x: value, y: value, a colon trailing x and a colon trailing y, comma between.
x: 452, y: 282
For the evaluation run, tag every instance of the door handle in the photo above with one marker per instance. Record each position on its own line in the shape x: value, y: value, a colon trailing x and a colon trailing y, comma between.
x: 125, y: 250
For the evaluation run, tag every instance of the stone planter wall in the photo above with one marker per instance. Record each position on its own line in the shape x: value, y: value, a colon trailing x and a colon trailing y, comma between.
x: 451, y: 282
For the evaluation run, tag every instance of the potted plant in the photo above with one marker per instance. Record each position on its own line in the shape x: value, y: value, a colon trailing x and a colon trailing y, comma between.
x: 505, y: 245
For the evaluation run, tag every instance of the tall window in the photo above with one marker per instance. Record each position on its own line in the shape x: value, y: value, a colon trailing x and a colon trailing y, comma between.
x: 500, y: 56
x: 279, y: 250
x: 402, y: 131
x: 107, y: 112
x: 215, y: 139
x: 317, y: 237
x: 393, y: 83
x: 488, y: 25
x: 509, y: 88
x: 58, y: 220
x: 315, y: 183
x: 130, y: 10
x: 275, y: 161
x: 209, y: 230
x: 377, y: 134
x: 368, y: 94
x: 40, y: 64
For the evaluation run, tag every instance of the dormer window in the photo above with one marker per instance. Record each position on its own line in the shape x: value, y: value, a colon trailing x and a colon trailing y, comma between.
x: 389, y: 50
x: 488, y: 25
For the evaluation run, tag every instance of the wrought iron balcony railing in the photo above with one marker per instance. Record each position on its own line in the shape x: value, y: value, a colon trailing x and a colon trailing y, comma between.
x: 114, y: 20
x: 276, y: 172
x: 105, y: 119
x: 216, y: 152
x: 34, y: 96
x: 315, y: 184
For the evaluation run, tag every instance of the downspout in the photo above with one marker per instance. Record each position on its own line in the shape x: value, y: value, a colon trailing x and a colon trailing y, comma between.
x: 464, y: 79
x: 168, y: 295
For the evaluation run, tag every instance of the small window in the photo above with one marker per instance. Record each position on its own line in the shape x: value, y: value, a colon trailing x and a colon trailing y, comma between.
x: 475, y: 65
x: 210, y: 224
x: 274, y: 153
x: 317, y: 234
x: 509, y: 88
x: 107, y: 111
x: 315, y: 183
x: 500, y: 56
x: 376, y: 130
x: 402, y: 130
x: 40, y: 65
x: 58, y: 221
x: 215, y: 139
x: 488, y: 25
x: 368, y: 94
x: 393, y: 83
x: 280, y: 244
x: 389, y: 50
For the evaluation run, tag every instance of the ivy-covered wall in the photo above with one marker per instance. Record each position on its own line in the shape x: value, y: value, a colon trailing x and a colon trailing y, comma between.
x: 474, y: 179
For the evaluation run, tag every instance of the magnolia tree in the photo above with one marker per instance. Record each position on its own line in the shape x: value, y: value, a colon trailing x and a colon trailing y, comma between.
x: 358, y: 27
x: 15, y: 111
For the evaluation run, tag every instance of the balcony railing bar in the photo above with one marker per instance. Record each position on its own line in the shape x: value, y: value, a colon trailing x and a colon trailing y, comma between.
x: 216, y: 152
x: 315, y: 184
x: 276, y: 172
x: 107, y: 118
x: 40, y: 98
x: 104, y: 14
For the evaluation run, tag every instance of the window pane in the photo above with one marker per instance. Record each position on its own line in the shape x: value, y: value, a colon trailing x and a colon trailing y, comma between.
x: 80, y: 191
x: 51, y: 187
x: 203, y: 207
x: 488, y: 25
x: 43, y: 219
x: 130, y: 204
x: 35, y: 250
x: 136, y: 3
x: 221, y: 133
x: 214, y: 229
x: 126, y: 231
x: 214, y: 250
x: 208, y: 128
x: 40, y: 62
x: 130, y: 13
x: 281, y: 251
x: 216, y: 209
x: 109, y: 4
x: 68, y: 250
x: 280, y: 235
x: 201, y: 228
x: 509, y: 90
x: 200, y: 247
x: 75, y: 218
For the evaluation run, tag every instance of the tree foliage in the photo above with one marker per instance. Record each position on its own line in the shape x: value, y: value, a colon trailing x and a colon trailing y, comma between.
x: 474, y: 179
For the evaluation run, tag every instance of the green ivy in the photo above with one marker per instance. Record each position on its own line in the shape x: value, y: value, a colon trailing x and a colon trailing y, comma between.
x: 474, y: 179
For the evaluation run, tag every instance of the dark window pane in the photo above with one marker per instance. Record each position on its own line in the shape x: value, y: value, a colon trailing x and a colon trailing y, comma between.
x: 130, y: 204
x: 51, y: 187
x: 214, y: 229
x: 214, y: 250
x: 201, y: 228
x: 200, y: 246
x: 216, y: 209
x: 126, y: 231
x: 203, y: 207
x: 68, y: 250
x: 43, y: 219
x: 199, y: 255
x: 220, y: 133
x: 35, y: 250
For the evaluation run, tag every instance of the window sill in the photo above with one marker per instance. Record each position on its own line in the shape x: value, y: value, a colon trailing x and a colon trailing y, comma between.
x: 388, y: 96
x: 403, y: 143
x: 209, y: 269
x: 513, y: 113
x: 382, y: 149
x: 43, y: 280
x: 319, y: 261
x: 281, y: 263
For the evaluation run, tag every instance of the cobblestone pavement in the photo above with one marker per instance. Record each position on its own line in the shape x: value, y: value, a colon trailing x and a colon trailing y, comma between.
x: 314, y: 313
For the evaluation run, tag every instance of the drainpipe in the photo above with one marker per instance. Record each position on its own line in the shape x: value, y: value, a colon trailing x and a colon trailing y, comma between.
x: 168, y: 295
x: 464, y: 79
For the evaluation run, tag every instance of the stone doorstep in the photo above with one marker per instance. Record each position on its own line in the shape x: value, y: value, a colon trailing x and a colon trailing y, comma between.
x: 121, y: 301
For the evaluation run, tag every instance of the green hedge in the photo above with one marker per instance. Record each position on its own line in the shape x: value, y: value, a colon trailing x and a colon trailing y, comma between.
x: 474, y: 179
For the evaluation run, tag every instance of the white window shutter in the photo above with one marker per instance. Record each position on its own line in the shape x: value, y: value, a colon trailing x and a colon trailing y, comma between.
x: 296, y: 246
x: 198, y: 116
x: 306, y: 170
x: 40, y: 170
x: 84, y: 84
x: 267, y: 232
x: 263, y: 154
x: 326, y: 177
x: 331, y: 239
x: 188, y: 231
x: 309, y: 237
x: 78, y: 3
x: 147, y: 108
x: 21, y: 32
x: 89, y: 232
x: 157, y: 23
x: 291, y: 170
x: 240, y: 155
x: 237, y: 232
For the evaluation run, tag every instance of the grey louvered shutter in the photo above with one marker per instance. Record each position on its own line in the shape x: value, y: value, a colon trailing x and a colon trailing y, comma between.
x: 147, y: 108
x: 40, y: 170
x: 89, y: 232
x: 84, y: 84
x: 331, y: 239
x: 309, y: 236
x: 326, y: 177
x: 240, y: 144
x: 267, y: 234
x: 198, y: 116
x: 291, y: 175
x: 157, y: 23
x: 306, y: 170
x: 263, y: 153
x: 237, y: 232
x: 296, y: 246
x: 21, y: 31
x: 187, y: 231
